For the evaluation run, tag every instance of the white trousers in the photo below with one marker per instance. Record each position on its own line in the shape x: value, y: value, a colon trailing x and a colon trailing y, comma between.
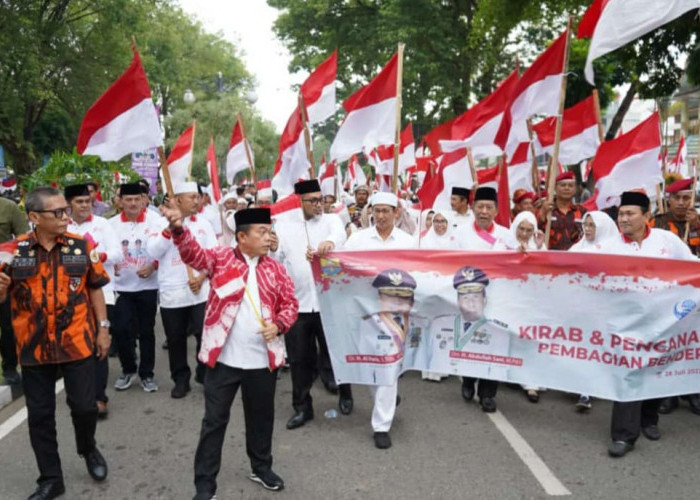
x: 384, y: 406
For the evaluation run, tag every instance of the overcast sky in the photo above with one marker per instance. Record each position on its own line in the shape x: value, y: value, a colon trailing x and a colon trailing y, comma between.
x: 248, y: 24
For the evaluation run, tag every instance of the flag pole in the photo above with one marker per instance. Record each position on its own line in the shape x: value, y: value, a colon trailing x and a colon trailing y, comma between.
x: 189, y: 167
x: 307, y: 136
x: 692, y: 198
x: 598, y: 115
x: 534, y: 171
x: 248, y: 156
x: 336, y: 168
x: 397, y: 135
x: 472, y: 168
x: 557, y: 133
x: 166, y: 173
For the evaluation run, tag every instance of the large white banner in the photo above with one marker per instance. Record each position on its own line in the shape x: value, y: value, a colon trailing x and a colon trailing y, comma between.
x: 614, y: 327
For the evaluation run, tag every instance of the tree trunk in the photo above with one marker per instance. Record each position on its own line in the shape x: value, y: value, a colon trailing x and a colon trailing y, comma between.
x: 616, y: 122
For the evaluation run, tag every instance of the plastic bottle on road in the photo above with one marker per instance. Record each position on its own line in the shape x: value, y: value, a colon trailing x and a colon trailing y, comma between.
x: 330, y: 413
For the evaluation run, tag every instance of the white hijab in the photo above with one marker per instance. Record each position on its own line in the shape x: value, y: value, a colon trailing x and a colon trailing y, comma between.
x: 605, y: 229
x: 434, y: 241
x: 512, y: 243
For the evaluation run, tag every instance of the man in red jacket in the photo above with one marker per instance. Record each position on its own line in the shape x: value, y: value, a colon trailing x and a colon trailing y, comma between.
x: 246, y: 312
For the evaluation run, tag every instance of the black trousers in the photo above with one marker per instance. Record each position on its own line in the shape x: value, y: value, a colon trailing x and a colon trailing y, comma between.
x: 629, y: 418
x: 305, y: 359
x: 258, y: 392
x: 39, y: 383
x: 136, y: 308
x: 8, y: 349
x: 102, y: 367
x: 178, y: 323
x: 486, y: 389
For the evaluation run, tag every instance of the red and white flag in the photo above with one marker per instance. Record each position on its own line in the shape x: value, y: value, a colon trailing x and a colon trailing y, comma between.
x: 292, y: 162
x: 520, y: 169
x: 421, y: 169
x: 610, y: 24
x: 382, y: 158
x: 488, y: 177
x: 537, y: 92
x: 627, y: 162
x: 123, y: 120
x: 318, y: 90
x: 585, y: 167
x: 328, y: 178
x: 371, y: 115
x: 355, y: 175
x: 264, y: 188
x: 679, y: 163
x: 213, y: 172
x: 453, y: 171
x: 477, y: 127
x: 442, y: 132
x: 503, y: 192
x: 287, y: 210
x: 579, y: 133
x: 180, y: 158
x: 237, y: 159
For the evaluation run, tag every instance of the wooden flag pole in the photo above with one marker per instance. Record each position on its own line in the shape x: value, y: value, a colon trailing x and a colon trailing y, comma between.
x: 166, y: 172
x: 692, y: 199
x: 397, y: 135
x: 307, y: 137
x: 189, y: 167
x: 534, y: 170
x: 472, y: 168
x: 246, y: 148
x: 557, y: 134
x: 598, y: 115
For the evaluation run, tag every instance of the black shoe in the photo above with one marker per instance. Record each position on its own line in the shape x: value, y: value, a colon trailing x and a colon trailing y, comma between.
x: 48, y: 490
x: 694, y: 402
x: 668, y: 405
x: 619, y: 449
x: 382, y: 440
x: 299, y: 419
x: 204, y: 496
x: 488, y: 404
x: 268, y: 479
x: 180, y: 390
x: 12, y: 377
x: 345, y: 405
x: 96, y: 465
x: 651, y: 432
x: 467, y: 391
x: 532, y: 396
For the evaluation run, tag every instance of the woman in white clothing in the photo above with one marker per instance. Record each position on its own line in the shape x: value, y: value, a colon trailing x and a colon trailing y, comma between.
x: 439, y: 236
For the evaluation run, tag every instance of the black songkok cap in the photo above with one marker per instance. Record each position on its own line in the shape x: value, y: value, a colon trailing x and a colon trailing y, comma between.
x: 460, y: 191
x: 635, y: 198
x: 145, y: 187
x: 70, y: 192
x: 131, y: 188
x: 252, y: 216
x: 303, y: 187
x: 486, y: 193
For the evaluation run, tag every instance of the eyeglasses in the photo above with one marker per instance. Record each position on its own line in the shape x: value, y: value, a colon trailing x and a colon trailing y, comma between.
x: 439, y: 221
x: 313, y: 201
x: 57, y: 212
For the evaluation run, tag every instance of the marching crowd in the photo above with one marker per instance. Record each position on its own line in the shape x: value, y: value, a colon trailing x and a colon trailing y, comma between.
x: 81, y: 278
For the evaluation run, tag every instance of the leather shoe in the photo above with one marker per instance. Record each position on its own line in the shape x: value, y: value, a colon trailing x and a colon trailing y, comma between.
x: 488, y: 405
x: 102, y: 410
x: 532, y: 396
x: 299, y: 419
x: 651, y: 432
x: 180, y: 390
x: 345, y: 405
x: 619, y: 449
x: 694, y: 402
x: 96, y: 465
x: 668, y: 405
x: 467, y: 391
x: 48, y: 490
x: 382, y: 440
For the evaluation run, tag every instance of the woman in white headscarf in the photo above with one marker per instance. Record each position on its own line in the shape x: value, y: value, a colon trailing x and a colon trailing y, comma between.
x: 439, y: 236
x: 524, y: 235
x: 598, y: 227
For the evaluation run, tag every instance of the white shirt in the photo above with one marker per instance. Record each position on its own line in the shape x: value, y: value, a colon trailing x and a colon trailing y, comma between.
x: 245, y: 347
x: 468, y: 238
x: 459, y: 220
x: 211, y: 213
x: 291, y: 253
x: 657, y: 243
x: 173, y: 287
x: 369, y: 239
x: 133, y: 241
x: 98, y: 230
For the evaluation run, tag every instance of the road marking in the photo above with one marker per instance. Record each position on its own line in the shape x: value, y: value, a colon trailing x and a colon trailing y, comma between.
x: 552, y: 486
x: 20, y: 416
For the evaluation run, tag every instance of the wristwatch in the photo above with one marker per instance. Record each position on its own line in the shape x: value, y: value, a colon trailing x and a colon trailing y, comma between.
x: 105, y: 323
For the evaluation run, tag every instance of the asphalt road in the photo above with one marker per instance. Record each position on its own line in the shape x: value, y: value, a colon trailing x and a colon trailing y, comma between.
x: 443, y: 448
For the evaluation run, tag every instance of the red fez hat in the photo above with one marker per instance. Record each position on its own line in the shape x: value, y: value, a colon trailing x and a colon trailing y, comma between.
x: 527, y: 195
x: 681, y: 185
x: 565, y: 176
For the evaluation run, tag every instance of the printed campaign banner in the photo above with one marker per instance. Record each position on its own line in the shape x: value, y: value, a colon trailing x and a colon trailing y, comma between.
x: 615, y: 327
x: 145, y: 163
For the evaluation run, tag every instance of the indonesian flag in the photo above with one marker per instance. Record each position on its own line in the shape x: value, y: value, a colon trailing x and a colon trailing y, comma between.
x: 355, y: 174
x: 421, y: 169
x: 213, y: 172
x: 286, y: 210
x: 383, y: 183
x: 453, y: 171
x: 520, y: 169
x: 123, y: 120
x: 679, y: 164
x: 579, y: 133
x: 180, y: 157
x: 537, y: 92
x: 613, y: 23
x: 627, y: 162
x: 237, y: 159
x: 488, y: 177
x: 292, y: 163
x: 585, y: 167
x: 503, y: 192
x: 264, y: 188
x: 371, y: 115
x: 477, y: 127
x: 442, y: 132
x: 328, y: 177
x: 318, y: 90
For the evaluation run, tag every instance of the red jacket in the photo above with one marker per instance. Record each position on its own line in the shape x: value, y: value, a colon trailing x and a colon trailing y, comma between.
x: 228, y: 273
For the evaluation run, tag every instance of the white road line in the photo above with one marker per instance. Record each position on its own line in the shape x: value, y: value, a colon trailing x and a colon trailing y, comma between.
x: 20, y: 416
x: 552, y: 486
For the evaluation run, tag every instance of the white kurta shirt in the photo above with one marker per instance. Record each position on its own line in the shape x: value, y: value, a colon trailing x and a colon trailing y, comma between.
x: 468, y: 237
x: 133, y: 240
x: 657, y: 243
x: 369, y: 239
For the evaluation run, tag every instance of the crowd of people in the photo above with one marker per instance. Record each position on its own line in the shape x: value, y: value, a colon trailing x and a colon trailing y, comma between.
x: 81, y: 278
